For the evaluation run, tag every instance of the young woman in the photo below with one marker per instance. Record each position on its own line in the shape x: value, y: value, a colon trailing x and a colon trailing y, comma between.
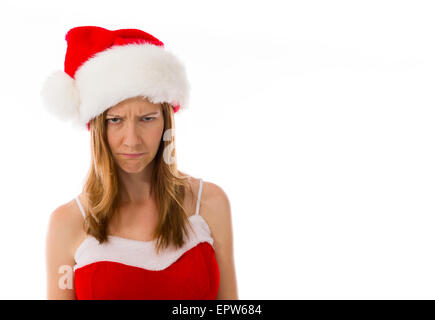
x: 140, y: 228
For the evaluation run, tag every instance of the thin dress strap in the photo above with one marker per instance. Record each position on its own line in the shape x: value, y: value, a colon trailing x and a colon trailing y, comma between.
x: 80, y: 206
x: 199, y: 197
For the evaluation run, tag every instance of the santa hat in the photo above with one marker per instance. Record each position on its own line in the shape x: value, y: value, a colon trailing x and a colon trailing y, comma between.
x: 104, y: 67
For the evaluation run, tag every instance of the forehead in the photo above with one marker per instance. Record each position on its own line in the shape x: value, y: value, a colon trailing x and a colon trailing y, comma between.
x: 135, y: 105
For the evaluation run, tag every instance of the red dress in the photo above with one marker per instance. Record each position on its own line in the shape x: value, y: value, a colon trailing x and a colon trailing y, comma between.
x: 130, y: 269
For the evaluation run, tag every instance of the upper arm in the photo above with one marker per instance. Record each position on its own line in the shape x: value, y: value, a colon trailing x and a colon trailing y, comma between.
x: 219, y: 214
x: 59, y: 256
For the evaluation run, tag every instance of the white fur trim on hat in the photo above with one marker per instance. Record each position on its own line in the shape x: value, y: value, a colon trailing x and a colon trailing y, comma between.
x: 116, y: 74
x: 60, y: 96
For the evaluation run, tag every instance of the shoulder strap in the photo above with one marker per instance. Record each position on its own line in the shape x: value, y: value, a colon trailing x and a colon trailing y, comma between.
x: 199, y: 197
x: 80, y: 206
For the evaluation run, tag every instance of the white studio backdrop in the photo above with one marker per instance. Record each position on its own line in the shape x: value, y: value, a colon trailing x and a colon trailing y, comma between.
x: 315, y: 117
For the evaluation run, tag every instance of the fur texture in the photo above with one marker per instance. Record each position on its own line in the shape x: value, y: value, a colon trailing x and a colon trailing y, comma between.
x: 60, y: 96
x: 113, y: 75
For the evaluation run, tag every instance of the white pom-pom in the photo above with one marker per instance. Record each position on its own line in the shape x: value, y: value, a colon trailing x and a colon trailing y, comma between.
x: 60, y: 96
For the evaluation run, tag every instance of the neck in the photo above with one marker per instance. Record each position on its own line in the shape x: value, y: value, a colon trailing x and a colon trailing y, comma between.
x: 136, y: 187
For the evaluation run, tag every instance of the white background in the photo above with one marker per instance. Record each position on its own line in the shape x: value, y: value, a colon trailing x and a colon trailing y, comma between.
x: 315, y: 117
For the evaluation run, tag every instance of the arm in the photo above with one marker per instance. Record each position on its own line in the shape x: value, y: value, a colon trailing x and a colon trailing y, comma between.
x: 219, y: 214
x: 59, y: 257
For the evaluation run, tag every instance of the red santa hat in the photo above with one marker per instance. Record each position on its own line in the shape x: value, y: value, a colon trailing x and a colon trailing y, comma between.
x: 104, y: 67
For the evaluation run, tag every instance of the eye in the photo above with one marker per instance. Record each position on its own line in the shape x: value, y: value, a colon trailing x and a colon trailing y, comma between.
x: 109, y: 120
x: 113, y: 120
x: 151, y: 118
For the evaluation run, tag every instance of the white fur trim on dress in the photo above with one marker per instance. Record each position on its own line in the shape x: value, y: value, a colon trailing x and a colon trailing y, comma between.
x: 113, y: 75
x: 140, y: 253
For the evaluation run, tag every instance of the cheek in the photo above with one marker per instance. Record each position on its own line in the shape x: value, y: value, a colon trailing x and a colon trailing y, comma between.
x: 111, y: 138
x: 156, y: 135
x: 157, y: 130
x: 114, y: 140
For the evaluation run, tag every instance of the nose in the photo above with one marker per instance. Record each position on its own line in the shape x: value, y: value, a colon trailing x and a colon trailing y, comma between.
x: 131, y: 135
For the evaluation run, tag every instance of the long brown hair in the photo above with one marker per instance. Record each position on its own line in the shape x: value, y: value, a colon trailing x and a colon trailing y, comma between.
x: 169, y: 185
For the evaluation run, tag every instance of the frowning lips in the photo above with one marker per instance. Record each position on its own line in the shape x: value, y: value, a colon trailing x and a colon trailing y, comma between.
x: 132, y: 155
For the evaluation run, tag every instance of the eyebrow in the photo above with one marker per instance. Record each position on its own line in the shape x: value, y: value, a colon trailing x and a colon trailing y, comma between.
x: 150, y: 113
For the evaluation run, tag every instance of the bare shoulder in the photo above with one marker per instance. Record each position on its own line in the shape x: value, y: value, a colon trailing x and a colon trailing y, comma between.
x: 214, y: 198
x: 64, y: 227
x: 216, y: 209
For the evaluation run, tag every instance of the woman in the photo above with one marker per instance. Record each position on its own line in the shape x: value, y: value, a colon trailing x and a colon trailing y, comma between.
x: 140, y: 229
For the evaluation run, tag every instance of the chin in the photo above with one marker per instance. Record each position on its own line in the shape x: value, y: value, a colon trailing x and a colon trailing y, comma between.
x: 129, y: 170
x: 131, y: 166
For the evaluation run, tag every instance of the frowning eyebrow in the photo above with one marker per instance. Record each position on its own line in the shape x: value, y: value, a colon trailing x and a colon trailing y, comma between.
x: 148, y: 114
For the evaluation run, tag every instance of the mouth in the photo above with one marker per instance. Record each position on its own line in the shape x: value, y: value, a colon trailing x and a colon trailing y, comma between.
x: 132, y: 155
